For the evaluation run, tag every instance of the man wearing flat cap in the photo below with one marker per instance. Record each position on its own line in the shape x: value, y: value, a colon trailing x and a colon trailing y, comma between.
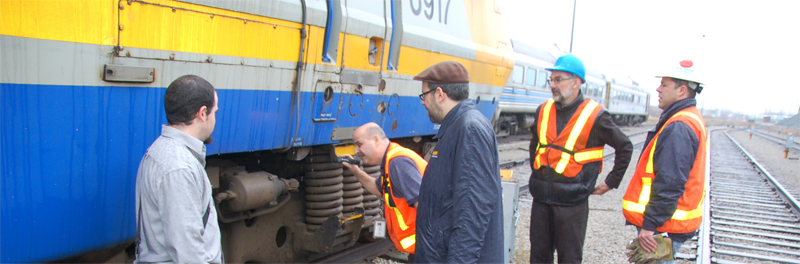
x: 460, y: 214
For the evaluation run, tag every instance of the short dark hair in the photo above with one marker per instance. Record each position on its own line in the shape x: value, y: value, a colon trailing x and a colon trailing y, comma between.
x: 456, y: 91
x: 185, y: 96
x: 679, y: 82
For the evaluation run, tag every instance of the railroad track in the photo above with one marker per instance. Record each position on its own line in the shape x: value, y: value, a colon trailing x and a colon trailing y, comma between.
x: 748, y: 216
x: 777, y: 140
x: 361, y: 253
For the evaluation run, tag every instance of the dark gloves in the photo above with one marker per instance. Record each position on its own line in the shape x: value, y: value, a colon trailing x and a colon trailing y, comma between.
x: 637, y: 254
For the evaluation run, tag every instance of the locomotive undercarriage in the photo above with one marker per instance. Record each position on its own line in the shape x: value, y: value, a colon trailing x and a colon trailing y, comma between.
x: 317, y: 207
x: 290, y: 207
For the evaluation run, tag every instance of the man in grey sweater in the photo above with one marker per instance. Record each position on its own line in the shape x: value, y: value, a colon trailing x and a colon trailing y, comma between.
x: 176, y: 219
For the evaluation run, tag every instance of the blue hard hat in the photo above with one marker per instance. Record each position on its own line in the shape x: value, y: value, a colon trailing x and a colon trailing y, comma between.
x: 570, y: 63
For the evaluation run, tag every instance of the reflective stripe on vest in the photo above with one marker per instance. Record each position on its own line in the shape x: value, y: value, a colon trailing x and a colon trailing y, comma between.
x: 644, y: 199
x: 573, y: 136
x: 688, y: 214
x: 591, y: 155
x: 649, y: 168
x: 400, y: 220
x: 400, y: 224
x: 545, y: 120
x: 578, y: 129
x: 408, y: 241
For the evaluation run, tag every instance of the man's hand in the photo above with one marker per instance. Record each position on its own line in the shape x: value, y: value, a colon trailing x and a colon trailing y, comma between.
x: 601, y: 189
x: 647, y: 241
x: 352, y: 167
x: 637, y: 254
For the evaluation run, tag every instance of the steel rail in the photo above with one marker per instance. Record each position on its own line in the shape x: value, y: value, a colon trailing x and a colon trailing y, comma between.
x: 704, y: 236
x: 785, y: 235
x: 783, y: 192
x: 776, y: 139
x: 360, y: 253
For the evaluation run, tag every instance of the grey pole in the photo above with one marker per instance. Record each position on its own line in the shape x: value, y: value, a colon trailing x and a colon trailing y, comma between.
x: 572, y: 34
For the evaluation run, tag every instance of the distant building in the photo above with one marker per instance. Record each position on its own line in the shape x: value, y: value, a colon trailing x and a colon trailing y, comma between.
x: 792, y: 122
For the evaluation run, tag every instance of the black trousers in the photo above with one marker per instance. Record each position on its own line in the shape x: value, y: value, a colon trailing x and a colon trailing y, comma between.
x: 558, y: 228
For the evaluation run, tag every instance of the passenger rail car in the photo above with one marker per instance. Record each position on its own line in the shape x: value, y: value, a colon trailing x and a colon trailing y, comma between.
x: 527, y: 89
x: 82, y: 87
x: 627, y: 103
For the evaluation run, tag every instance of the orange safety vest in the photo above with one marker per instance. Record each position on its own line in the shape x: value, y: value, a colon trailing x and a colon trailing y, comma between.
x: 566, y: 153
x: 689, y: 214
x: 401, y: 218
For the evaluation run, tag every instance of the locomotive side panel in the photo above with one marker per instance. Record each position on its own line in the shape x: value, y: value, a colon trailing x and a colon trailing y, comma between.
x: 83, y: 85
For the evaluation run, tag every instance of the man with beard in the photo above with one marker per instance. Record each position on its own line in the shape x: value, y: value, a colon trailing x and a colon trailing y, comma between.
x: 666, y: 191
x: 460, y: 213
x: 176, y: 220
x: 566, y: 157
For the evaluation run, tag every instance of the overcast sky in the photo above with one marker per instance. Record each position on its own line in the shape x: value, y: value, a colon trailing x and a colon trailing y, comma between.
x: 746, y: 51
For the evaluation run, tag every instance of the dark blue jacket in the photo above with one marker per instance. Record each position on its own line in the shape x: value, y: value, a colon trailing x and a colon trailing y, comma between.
x: 672, y: 161
x: 460, y: 214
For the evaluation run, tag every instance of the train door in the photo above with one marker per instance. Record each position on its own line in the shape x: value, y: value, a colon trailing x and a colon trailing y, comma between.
x: 348, y: 72
x: 362, y: 64
x: 326, y: 88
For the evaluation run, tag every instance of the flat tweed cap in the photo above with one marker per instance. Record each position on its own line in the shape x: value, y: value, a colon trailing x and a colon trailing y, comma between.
x: 444, y: 72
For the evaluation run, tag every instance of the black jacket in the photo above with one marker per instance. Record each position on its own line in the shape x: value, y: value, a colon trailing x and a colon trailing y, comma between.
x: 550, y: 187
x: 460, y: 214
x: 672, y: 161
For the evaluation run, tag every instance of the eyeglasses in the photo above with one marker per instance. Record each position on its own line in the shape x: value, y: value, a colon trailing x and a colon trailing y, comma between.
x: 422, y: 95
x: 559, y: 79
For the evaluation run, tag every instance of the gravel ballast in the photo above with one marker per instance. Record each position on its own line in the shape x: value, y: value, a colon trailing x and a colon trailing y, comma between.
x: 607, y: 235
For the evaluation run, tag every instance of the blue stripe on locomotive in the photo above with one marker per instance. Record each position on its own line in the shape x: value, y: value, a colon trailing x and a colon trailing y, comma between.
x: 70, y: 154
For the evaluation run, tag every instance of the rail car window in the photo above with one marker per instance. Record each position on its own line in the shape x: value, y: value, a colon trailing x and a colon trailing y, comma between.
x: 516, y: 76
x: 542, y: 79
x: 531, y: 77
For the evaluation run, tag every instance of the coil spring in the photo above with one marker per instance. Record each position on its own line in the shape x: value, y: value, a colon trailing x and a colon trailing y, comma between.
x: 372, y: 203
x: 353, y: 192
x: 324, y: 189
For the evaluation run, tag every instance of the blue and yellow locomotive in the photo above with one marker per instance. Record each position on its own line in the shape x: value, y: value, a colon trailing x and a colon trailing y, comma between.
x: 82, y: 87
